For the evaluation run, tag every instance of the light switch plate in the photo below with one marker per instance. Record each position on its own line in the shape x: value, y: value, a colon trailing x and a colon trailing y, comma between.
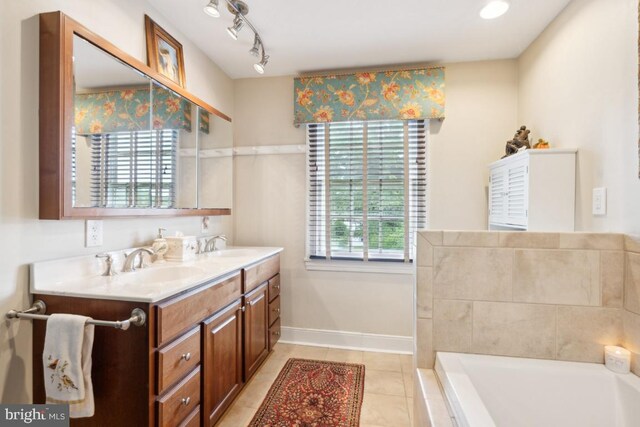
x: 599, y: 201
x: 93, y: 233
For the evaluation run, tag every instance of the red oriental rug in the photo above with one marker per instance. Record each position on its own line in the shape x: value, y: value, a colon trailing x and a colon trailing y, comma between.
x: 313, y: 393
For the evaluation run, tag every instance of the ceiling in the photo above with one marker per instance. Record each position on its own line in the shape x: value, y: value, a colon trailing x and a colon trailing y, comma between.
x: 304, y: 36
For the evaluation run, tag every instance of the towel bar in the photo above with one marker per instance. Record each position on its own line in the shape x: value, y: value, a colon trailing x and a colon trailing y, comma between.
x: 37, y: 310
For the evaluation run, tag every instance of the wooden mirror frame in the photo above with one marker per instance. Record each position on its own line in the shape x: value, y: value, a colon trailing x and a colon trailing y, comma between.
x: 56, y: 120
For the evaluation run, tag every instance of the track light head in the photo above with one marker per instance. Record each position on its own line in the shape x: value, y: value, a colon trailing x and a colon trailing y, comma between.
x: 211, y: 9
x: 255, y: 50
x: 259, y: 66
x: 237, y: 26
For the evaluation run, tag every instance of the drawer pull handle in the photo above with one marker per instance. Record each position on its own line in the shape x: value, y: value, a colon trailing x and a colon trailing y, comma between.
x: 276, y: 333
x: 276, y: 310
x: 186, y: 401
x: 276, y: 287
x: 186, y: 357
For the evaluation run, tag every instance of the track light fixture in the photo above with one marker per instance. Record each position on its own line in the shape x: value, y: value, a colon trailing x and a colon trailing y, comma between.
x: 211, y: 9
x: 240, y: 10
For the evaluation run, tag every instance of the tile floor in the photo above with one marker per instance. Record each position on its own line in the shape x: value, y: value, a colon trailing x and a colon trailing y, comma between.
x: 388, y: 385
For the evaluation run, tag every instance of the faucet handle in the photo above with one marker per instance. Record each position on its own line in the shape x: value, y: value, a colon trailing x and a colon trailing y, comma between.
x: 110, y: 271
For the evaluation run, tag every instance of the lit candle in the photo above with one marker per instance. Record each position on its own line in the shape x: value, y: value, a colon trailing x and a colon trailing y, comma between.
x: 617, y: 359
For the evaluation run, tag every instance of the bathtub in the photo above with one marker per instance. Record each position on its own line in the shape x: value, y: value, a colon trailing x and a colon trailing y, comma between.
x: 487, y: 391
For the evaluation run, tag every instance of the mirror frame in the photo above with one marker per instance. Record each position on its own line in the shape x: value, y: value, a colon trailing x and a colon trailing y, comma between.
x: 56, y: 120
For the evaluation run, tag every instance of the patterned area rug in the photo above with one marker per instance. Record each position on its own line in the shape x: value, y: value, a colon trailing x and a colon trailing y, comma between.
x: 313, y: 393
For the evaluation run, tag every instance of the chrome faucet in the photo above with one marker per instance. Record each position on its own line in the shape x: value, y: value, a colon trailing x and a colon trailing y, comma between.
x: 210, y: 246
x: 130, y: 260
x: 110, y: 271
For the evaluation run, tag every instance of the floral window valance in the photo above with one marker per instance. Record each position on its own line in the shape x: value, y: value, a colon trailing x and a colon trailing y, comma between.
x: 389, y: 95
x: 129, y: 109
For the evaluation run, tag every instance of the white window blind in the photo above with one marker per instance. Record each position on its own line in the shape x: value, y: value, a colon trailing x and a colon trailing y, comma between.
x: 367, y: 189
x: 134, y: 169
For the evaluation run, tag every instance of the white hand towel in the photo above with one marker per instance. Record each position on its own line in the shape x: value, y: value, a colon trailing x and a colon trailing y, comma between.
x: 67, y: 363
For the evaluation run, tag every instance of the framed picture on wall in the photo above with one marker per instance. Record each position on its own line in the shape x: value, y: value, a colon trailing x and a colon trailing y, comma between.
x: 164, y: 53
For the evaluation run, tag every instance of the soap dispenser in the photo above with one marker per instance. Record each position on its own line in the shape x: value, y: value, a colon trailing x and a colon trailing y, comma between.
x: 160, y: 245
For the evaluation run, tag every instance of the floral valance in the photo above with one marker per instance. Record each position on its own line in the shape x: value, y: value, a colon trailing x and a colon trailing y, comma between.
x: 128, y: 110
x: 388, y: 95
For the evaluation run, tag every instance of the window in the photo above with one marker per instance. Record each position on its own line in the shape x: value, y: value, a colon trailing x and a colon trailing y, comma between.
x: 134, y: 169
x: 367, y: 189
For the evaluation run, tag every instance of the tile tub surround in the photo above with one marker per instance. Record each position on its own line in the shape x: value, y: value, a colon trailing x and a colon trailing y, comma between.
x: 557, y: 296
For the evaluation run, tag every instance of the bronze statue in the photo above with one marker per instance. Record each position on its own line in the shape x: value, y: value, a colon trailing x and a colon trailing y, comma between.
x: 520, y: 139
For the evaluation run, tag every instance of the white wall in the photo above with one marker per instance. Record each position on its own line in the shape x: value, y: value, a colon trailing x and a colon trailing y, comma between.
x: 579, y: 88
x: 23, y: 238
x: 270, y: 193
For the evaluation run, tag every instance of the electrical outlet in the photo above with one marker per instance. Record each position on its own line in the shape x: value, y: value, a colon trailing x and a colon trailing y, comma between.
x: 599, y: 201
x: 93, y: 233
x: 204, y: 228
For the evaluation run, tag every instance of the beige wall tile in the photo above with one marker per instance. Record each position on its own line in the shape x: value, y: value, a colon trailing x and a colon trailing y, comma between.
x: 632, y: 243
x: 631, y: 327
x: 424, y: 292
x: 470, y: 238
x: 452, y: 325
x: 472, y: 273
x: 524, y: 330
x: 433, y: 237
x: 584, y: 331
x: 603, y: 241
x: 557, y: 277
x: 522, y: 239
x: 612, y: 278
x: 632, y: 283
x: 424, y: 252
x: 424, y: 343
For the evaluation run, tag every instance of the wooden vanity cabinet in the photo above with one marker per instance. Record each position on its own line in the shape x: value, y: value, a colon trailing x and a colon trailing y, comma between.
x: 222, y: 348
x: 189, y: 361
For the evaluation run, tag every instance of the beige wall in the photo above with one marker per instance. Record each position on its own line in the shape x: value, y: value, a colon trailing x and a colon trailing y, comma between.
x: 578, y: 88
x: 481, y: 112
x: 539, y: 295
x: 26, y: 239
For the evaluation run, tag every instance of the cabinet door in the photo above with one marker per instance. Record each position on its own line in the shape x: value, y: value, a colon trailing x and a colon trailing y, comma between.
x: 497, y: 195
x: 222, y: 361
x: 256, y: 330
x: 517, y: 192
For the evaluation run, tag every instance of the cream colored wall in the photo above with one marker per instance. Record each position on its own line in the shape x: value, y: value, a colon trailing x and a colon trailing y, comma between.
x: 270, y: 193
x: 578, y: 88
x: 24, y: 238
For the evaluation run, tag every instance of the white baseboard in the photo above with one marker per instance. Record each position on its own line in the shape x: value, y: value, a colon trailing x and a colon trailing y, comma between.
x: 347, y: 340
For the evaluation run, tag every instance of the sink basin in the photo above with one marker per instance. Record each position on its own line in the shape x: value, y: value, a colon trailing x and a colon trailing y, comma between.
x: 230, y: 253
x: 162, y: 274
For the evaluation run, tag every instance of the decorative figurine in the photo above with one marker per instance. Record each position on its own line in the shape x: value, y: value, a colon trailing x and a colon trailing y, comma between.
x: 519, y: 142
x: 541, y: 144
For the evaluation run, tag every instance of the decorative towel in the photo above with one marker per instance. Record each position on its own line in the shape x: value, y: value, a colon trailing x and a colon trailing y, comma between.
x: 67, y: 363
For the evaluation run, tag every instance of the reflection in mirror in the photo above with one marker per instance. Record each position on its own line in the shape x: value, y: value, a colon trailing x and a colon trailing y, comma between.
x: 174, y: 127
x: 216, y: 161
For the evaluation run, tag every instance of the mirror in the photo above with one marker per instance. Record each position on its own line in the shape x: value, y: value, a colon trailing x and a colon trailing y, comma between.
x: 215, y: 160
x: 117, y: 138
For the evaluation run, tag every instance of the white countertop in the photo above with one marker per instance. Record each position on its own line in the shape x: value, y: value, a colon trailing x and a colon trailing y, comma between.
x: 80, y: 277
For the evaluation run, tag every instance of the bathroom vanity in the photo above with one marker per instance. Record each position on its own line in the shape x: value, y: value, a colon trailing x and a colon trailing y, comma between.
x: 210, y: 323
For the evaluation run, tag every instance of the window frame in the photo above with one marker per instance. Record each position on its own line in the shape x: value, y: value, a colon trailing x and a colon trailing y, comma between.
x: 390, y: 266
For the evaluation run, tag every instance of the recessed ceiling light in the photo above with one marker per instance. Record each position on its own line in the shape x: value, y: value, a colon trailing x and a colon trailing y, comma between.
x: 494, y: 9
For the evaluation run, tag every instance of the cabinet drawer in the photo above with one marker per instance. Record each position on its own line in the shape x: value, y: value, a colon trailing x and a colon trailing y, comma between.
x: 192, y: 420
x: 261, y: 272
x: 180, y: 401
x: 274, y: 334
x: 178, y: 358
x: 274, y: 310
x: 181, y: 313
x: 274, y: 287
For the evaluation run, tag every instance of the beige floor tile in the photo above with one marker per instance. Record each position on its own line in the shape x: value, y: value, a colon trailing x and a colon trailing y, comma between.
x: 407, y: 362
x: 236, y: 416
x: 382, y: 361
x: 308, y: 352
x: 255, y: 391
x: 274, y: 363
x: 345, y: 356
x: 383, y: 382
x: 410, y: 407
x: 408, y: 384
x: 385, y: 410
